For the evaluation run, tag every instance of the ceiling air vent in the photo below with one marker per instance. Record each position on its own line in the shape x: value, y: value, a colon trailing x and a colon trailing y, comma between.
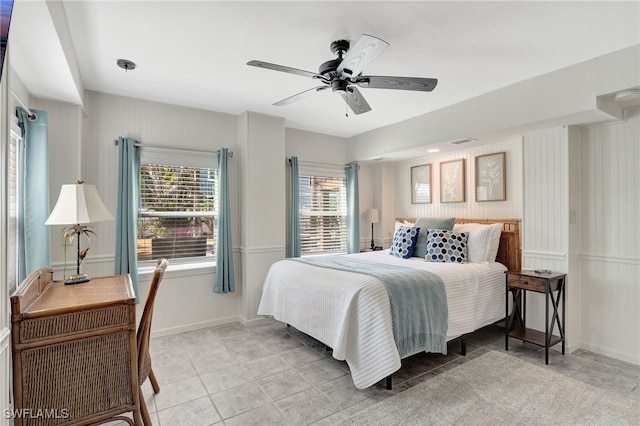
x: 461, y: 141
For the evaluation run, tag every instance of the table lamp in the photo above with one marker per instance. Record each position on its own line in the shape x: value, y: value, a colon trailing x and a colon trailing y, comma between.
x: 78, y: 204
x: 372, y: 217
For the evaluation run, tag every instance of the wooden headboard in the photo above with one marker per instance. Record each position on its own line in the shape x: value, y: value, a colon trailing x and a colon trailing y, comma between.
x: 509, y: 251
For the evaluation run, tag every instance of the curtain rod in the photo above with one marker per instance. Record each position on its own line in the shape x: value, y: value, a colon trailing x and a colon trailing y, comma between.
x: 32, y: 115
x: 141, y: 145
x: 322, y: 164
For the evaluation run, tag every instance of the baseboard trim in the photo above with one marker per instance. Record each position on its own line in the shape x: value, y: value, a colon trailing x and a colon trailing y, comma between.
x: 629, y: 358
x: 255, y: 322
x: 195, y: 326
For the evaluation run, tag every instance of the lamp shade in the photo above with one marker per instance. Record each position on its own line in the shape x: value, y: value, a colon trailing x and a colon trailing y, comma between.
x: 78, y: 203
x: 372, y: 216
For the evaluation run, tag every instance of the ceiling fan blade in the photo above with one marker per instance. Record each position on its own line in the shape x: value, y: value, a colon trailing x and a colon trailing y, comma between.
x: 300, y: 95
x: 397, y: 83
x: 355, y: 100
x: 366, y: 49
x: 282, y: 68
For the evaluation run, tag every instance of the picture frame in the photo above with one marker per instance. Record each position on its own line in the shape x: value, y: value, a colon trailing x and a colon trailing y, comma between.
x: 452, y: 181
x: 490, y: 177
x: 421, y: 187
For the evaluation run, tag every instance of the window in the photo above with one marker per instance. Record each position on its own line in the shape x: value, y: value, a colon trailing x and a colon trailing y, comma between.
x: 323, y: 214
x: 12, y: 206
x: 9, y: 228
x: 177, y: 212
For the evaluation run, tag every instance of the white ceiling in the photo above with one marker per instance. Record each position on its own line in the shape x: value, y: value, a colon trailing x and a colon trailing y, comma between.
x: 194, y: 53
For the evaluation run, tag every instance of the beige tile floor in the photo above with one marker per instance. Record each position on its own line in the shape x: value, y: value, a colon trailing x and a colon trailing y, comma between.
x: 274, y: 375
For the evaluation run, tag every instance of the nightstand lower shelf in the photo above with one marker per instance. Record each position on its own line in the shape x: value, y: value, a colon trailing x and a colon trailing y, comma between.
x: 534, y: 336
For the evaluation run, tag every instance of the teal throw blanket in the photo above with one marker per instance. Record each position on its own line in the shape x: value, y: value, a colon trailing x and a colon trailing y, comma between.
x: 417, y: 297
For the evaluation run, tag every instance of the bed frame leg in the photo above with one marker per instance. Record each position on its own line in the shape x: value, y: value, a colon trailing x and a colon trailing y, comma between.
x: 463, y: 347
x: 389, y: 383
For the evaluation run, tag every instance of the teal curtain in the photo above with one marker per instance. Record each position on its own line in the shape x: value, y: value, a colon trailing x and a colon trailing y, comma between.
x: 294, y: 210
x: 353, y: 209
x: 33, y: 183
x: 127, y: 213
x: 225, y: 275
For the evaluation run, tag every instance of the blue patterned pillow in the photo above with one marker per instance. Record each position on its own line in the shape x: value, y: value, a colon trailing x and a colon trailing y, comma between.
x: 404, y: 242
x: 446, y: 246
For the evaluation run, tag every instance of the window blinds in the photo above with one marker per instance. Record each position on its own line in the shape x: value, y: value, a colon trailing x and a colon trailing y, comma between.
x: 177, y: 212
x: 323, y: 214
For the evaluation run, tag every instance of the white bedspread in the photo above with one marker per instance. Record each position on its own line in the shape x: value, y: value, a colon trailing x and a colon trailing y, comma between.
x: 350, y: 312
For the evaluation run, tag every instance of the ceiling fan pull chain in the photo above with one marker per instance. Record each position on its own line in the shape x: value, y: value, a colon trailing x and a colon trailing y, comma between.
x: 346, y: 110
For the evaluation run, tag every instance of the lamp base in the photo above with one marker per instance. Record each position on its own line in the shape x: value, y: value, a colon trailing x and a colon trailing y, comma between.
x: 77, y: 279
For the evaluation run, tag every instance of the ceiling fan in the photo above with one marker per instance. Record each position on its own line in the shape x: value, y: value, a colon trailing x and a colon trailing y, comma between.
x: 344, y: 74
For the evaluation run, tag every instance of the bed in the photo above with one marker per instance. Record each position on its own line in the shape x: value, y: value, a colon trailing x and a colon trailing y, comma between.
x: 352, y: 309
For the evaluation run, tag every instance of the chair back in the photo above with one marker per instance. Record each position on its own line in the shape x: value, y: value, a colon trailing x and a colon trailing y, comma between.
x: 144, y: 329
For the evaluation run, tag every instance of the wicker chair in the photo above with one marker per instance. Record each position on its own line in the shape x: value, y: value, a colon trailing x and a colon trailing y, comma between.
x: 144, y: 330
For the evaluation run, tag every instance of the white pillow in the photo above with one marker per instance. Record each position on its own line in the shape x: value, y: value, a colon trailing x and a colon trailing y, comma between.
x: 483, y: 241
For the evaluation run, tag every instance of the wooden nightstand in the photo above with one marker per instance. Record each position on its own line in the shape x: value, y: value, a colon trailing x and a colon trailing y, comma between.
x: 519, y: 282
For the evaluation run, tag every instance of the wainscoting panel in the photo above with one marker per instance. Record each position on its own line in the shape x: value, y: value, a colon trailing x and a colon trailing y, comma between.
x: 186, y: 300
x: 5, y: 374
x: 610, y: 237
x: 255, y: 266
x: 611, y: 296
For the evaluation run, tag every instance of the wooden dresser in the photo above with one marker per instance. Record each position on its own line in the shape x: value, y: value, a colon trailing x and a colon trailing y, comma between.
x: 74, y: 350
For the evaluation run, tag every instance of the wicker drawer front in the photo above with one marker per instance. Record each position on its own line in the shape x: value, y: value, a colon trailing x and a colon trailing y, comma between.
x: 527, y: 283
x: 77, y: 379
x: 37, y: 329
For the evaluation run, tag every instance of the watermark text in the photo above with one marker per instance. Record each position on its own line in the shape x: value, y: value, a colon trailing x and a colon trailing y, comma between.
x: 40, y: 413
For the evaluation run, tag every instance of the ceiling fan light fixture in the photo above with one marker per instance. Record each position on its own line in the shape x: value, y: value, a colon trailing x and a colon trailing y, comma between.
x: 126, y: 64
x: 627, y: 95
x: 339, y: 86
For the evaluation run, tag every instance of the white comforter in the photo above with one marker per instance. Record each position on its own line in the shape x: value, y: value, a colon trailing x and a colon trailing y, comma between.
x: 350, y: 312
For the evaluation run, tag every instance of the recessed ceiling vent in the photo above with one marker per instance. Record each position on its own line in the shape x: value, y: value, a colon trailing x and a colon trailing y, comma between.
x: 461, y: 141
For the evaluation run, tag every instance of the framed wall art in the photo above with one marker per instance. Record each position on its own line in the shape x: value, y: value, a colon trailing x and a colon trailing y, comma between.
x: 421, y: 184
x: 490, y: 177
x: 452, y: 180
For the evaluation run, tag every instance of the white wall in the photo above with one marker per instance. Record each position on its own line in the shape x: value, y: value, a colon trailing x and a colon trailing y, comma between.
x: 262, y: 199
x: 185, y: 300
x: 400, y: 203
x: 610, y: 238
x: 546, y: 222
x: 581, y: 204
